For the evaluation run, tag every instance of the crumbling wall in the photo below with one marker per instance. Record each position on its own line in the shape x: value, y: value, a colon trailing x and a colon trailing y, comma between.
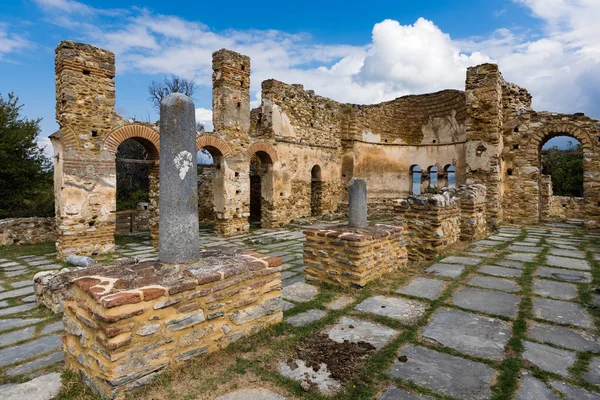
x: 433, y: 223
x: 471, y: 201
x: 206, y: 212
x: 20, y: 231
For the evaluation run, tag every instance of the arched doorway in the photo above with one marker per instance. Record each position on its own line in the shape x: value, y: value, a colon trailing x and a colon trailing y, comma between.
x: 561, y: 180
x: 316, y: 191
x: 211, y: 196
x: 261, y: 189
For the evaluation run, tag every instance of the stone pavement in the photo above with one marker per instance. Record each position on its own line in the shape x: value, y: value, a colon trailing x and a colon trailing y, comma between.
x: 515, y: 307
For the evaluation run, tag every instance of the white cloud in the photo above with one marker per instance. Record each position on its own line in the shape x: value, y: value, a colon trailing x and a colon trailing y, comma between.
x: 560, y: 64
x: 204, y: 117
x: 10, y: 42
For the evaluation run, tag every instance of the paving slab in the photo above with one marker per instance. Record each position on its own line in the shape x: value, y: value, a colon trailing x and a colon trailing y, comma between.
x: 566, y: 275
x: 445, y: 270
x: 19, y: 272
x: 339, y: 303
x: 21, y: 284
x: 573, y: 392
x: 510, y: 264
x: 593, y: 373
x: 305, y: 318
x: 523, y: 257
x: 299, y: 292
x: 53, y: 327
x: 423, y: 287
x: 554, y: 290
x: 356, y: 330
x: 567, y: 253
x: 548, y: 358
x: 469, y: 333
x: 251, y: 394
x: 562, y: 312
x: 394, y: 393
x: 299, y: 371
x: 17, y: 309
x: 500, y: 271
x: 403, y: 310
x: 43, y: 387
x: 443, y: 373
x: 525, y: 249
x: 16, y: 336
x: 11, y: 323
x: 286, y: 305
x: 488, y: 282
x: 534, y: 389
x: 461, y: 260
x: 568, y: 263
x: 487, y: 301
x: 38, y: 363
x: 499, y: 238
x: 568, y: 338
x: 42, y: 345
x: 486, y: 242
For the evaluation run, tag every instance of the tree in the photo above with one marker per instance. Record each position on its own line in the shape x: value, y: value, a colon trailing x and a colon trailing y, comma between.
x: 132, y: 178
x: 566, y: 170
x: 26, y: 187
x: 171, y: 84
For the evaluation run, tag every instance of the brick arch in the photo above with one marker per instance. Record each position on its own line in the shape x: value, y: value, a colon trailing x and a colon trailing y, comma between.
x: 264, y: 147
x: 559, y: 129
x: 213, y: 141
x: 119, y: 135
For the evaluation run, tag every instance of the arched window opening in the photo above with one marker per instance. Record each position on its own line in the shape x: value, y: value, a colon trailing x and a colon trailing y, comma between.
x: 415, y: 180
x: 562, y: 159
x: 316, y: 191
x: 433, y: 179
x: 450, y: 175
x: 261, y: 187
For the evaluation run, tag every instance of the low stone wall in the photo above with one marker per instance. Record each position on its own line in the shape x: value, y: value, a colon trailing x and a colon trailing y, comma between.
x: 125, y: 326
x: 471, y: 200
x: 345, y: 255
x: 18, y: 231
x: 433, y: 223
x: 565, y: 207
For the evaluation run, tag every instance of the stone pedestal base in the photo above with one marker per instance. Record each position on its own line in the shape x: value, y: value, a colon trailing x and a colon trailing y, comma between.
x: 345, y: 255
x: 126, y: 325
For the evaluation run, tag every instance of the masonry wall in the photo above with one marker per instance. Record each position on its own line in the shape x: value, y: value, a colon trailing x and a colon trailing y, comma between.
x: 121, y: 339
x: 433, y: 223
x: 21, y: 231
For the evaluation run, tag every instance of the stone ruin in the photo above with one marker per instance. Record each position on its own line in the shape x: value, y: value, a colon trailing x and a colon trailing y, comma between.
x: 356, y: 253
x: 126, y: 324
x: 294, y: 155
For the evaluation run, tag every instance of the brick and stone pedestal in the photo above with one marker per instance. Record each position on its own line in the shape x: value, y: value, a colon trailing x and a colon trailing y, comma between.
x: 127, y: 324
x: 345, y: 255
x: 433, y: 223
x: 471, y: 201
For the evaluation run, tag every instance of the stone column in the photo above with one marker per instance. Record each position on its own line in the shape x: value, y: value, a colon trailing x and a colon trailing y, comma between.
x: 357, y: 203
x: 179, y: 238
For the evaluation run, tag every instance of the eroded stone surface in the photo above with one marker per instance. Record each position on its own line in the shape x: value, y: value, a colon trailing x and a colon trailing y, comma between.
x: 14, y: 354
x: 446, y: 270
x: 356, y: 330
x: 443, y: 373
x: 299, y: 371
x: 573, y: 392
x: 251, y: 394
x: 554, y: 290
x: 461, y: 260
x: 394, y: 393
x: 562, y: 312
x: 548, y: 358
x: 306, y: 317
x: 339, y: 303
x: 487, y: 301
x: 494, y: 283
x: 299, y: 292
x: 405, y: 311
x: 44, y: 387
x: 569, y: 263
x: 593, y: 373
x: 500, y: 271
x: 568, y: 338
x: 566, y: 275
x: 423, y: 287
x: 469, y: 333
x: 534, y: 389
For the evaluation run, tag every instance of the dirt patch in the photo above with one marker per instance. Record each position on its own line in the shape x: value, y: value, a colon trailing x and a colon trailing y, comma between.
x: 342, y: 359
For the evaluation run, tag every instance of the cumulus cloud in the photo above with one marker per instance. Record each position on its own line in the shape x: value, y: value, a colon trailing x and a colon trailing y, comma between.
x: 204, y: 117
x: 559, y: 64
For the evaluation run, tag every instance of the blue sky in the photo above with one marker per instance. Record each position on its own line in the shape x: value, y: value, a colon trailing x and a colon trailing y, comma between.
x: 349, y: 51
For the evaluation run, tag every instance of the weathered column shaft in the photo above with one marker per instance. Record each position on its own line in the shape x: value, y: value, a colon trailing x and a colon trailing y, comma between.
x: 179, y: 238
x: 357, y: 203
